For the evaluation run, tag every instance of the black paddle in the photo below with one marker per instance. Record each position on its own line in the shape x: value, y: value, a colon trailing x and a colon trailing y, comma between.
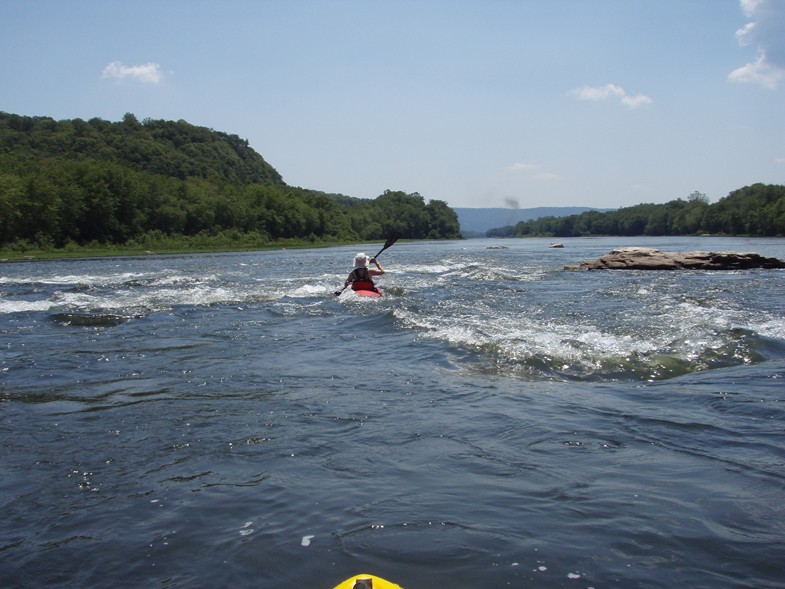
x: 393, y: 238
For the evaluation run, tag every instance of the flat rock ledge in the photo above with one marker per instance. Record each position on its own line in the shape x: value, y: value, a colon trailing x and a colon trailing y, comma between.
x: 645, y: 258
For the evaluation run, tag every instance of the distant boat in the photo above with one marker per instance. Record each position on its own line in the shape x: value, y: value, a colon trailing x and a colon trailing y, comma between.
x: 556, y: 245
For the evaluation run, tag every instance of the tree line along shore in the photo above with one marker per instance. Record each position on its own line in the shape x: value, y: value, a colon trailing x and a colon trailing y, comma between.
x: 757, y: 210
x: 75, y: 187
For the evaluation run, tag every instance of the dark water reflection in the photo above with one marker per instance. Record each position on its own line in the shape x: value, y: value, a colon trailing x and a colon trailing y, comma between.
x: 226, y: 421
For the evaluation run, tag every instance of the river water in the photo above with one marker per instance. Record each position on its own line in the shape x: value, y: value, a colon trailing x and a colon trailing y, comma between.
x: 493, y: 421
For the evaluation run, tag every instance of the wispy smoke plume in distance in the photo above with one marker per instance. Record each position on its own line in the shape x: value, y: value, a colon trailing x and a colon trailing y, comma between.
x: 511, y: 203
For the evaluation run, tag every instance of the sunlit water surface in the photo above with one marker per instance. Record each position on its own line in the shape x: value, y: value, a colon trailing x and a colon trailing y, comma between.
x: 226, y: 421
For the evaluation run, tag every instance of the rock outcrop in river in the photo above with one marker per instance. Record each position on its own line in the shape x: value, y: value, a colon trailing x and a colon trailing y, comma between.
x: 645, y: 258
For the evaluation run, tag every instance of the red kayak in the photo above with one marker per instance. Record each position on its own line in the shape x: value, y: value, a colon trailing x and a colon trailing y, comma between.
x: 364, y: 288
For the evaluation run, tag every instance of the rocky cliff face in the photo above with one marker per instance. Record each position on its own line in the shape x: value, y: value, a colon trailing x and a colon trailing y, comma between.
x: 643, y: 258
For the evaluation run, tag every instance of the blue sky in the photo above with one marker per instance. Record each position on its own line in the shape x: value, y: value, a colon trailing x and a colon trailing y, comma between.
x: 481, y: 103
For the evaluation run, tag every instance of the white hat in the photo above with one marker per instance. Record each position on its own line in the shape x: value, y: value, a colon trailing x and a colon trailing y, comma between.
x: 360, y: 261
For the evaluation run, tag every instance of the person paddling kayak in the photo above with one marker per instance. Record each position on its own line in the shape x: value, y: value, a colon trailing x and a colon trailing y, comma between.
x: 361, y: 277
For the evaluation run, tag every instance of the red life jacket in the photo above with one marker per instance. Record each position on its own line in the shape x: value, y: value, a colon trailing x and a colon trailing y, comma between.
x: 361, y: 280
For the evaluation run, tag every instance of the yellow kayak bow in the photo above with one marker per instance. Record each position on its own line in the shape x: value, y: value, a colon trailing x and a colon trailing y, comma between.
x: 363, y: 581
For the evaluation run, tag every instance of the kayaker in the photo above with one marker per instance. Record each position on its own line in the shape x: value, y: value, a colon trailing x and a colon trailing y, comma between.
x: 361, y: 277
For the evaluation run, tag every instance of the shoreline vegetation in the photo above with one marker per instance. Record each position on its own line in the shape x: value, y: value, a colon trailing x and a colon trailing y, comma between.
x: 757, y: 210
x: 76, y: 188
x: 163, y: 248
x: 72, y: 186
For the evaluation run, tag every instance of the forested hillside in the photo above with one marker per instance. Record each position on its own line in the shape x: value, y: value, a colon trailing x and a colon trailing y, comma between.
x: 74, y: 182
x: 757, y: 210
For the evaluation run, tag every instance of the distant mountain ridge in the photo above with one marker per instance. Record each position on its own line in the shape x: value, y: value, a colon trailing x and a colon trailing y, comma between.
x: 479, y: 220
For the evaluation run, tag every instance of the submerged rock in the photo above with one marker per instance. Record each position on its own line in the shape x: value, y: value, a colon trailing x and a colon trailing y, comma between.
x: 645, y: 258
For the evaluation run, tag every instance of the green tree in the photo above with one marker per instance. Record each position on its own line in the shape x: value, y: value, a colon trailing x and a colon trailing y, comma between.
x: 11, y: 196
x: 81, y: 182
x: 442, y: 221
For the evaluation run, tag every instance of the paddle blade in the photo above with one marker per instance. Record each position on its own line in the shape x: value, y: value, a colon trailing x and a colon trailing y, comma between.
x: 392, y: 239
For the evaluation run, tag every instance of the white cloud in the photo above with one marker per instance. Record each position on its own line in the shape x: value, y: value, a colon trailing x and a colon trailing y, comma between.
x: 749, y: 6
x: 597, y: 93
x: 758, y: 72
x: 633, y: 102
x: 765, y: 32
x: 546, y: 176
x: 521, y: 166
x: 745, y: 33
x: 147, y: 73
x: 779, y: 160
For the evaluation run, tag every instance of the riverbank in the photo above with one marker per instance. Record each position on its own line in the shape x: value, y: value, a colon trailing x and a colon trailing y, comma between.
x: 92, y: 251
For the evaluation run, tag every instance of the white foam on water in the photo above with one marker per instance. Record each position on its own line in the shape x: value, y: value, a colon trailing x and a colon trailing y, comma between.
x: 306, y: 540
x: 177, y: 280
x: 661, y: 330
x: 773, y: 327
x: 197, y: 295
x: 307, y: 290
x: 246, y: 529
x: 75, y: 279
x: 171, y: 292
x: 440, y: 268
x: 526, y: 337
x: 24, y: 306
